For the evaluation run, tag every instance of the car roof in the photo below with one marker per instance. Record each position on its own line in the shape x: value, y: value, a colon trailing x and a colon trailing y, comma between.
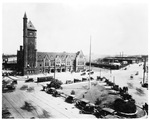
x: 108, y: 110
x: 52, y: 88
x: 85, y: 100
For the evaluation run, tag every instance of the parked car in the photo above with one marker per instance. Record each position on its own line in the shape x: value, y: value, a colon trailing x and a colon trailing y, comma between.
x: 101, y: 112
x: 9, y: 86
x: 81, y: 103
x: 84, y: 79
x: 88, y: 109
x: 77, y: 80
x: 83, y: 74
x: 56, y: 93
x: 70, y: 99
x: 91, y: 73
x: 29, y: 80
x: 50, y: 90
x: 69, y: 81
x: 15, y: 82
x: 145, y: 85
x: 83, y: 70
x: 88, y: 70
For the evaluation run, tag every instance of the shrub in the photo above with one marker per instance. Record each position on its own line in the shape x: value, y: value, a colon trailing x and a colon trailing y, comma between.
x: 72, y: 92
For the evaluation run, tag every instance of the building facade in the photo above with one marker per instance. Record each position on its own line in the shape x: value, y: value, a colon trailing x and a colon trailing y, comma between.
x: 29, y: 61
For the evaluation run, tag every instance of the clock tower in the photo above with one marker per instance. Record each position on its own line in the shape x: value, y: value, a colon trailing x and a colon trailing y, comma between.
x: 29, y: 47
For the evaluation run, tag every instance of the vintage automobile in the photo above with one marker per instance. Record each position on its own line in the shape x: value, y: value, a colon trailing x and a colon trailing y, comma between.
x: 56, y: 93
x: 50, y: 90
x: 11, y: 85
x: 69, y: 82
x: 29, y: 80
x: 84, y: 79
x: 145, y: 85
x: 70, y: 99
x: 83, y: 70
x: 6, y: 114
x: 101, y: 112
x: 91, y: 72
x: 88, y: 109
x: 81, y: 103
x: 77, y: 80
x: 88, y: 70
x: 83, y: 73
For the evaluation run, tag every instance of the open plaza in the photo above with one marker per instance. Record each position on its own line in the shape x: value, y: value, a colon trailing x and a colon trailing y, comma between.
x: 47, y: 106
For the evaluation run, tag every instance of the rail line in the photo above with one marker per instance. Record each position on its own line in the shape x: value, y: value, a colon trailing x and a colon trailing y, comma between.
x: 13, y: 106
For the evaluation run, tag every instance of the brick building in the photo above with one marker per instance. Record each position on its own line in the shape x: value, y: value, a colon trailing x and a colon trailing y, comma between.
x: 30, y: 61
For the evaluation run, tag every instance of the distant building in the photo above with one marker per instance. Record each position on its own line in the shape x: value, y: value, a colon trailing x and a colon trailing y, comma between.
x: 9, y: 62
x: 32, y: 62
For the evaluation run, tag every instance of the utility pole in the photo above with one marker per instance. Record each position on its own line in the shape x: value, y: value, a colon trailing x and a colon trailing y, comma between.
x: 144, y: 69
x: 90, y: 65
x: 113, y: 79
x: 54, y: 68
x: 100, y: 72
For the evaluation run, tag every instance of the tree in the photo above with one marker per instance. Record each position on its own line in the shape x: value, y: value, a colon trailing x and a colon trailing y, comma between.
x: 55, y: 83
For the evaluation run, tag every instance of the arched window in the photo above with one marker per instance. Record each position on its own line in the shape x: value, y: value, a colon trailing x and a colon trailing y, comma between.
x: 52, y: 63
x: 46, y: 62
x: 68, y: 61
x: 58, y: 61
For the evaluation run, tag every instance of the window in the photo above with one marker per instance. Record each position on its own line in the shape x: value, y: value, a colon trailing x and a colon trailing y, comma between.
x: 46, y: 62
x: 52, y: 62
x: 81, y: 56
x: 68, y: 62
x: 58, y: 62
x: 80, y: 62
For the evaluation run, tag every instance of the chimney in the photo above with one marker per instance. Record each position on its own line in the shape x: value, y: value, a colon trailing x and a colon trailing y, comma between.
x: 20, y: 48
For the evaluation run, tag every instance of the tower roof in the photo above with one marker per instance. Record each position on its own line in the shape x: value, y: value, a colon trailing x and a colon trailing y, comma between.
x: 30, y: 26
x: 25, y: 16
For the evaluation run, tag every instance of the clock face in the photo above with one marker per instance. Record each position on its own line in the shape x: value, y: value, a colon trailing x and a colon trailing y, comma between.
x: 31, y: 34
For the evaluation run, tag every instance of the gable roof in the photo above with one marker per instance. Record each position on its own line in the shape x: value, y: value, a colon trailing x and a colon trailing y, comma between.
x: 52, y: 55
x: 30, y: 26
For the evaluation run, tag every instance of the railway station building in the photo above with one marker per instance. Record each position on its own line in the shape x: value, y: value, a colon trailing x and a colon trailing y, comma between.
x: 30, y: 61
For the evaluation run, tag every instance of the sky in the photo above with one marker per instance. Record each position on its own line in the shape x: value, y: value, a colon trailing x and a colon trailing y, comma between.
x: 112, y: 27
